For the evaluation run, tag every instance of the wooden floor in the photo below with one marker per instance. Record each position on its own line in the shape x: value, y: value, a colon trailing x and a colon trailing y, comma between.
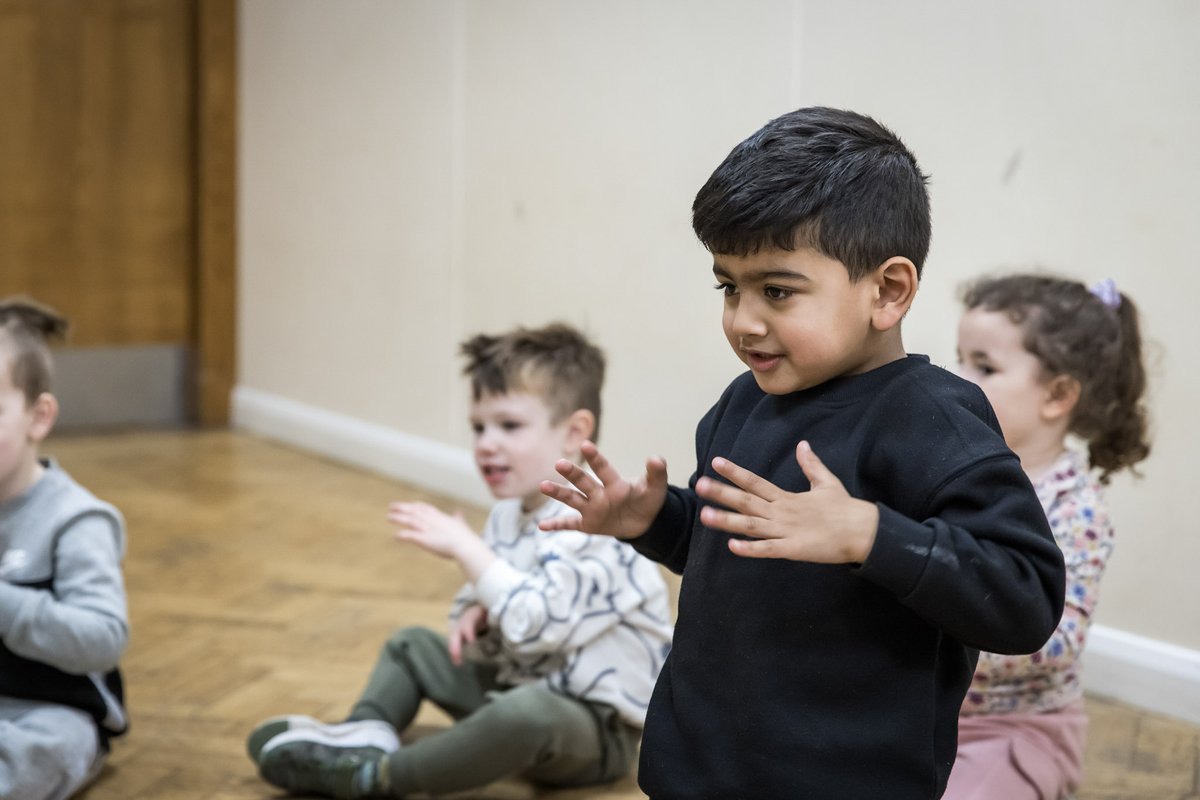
x: 262, y: 580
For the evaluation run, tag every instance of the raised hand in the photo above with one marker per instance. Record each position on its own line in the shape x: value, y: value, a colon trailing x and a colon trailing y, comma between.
x: 823, y: 525
x: 442, y: 534
x: 466, y: 628
x: 607, y: 503
x: 430, y: 528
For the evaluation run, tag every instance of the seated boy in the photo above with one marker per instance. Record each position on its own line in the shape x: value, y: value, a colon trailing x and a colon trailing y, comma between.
x: 63, y: 621
x: 832, y: 607
x: 555, y: 641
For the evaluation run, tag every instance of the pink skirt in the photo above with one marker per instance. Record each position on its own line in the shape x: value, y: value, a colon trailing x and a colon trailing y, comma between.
x: 1019, y: 756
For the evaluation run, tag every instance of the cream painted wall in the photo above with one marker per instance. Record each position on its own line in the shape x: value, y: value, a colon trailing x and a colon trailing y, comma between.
x: 413, y: 172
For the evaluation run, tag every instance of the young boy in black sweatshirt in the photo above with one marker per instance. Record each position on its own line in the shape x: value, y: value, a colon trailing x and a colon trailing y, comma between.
x: 856, y: 529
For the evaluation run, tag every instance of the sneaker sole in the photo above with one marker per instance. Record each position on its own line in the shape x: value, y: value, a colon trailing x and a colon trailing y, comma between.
x: 343, y: 736
x: 269, y: 728
x: 309, y: 768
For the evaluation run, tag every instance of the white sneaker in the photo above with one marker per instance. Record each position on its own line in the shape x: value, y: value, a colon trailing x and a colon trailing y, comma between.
x: 343, y: 735
x: 269, y: 728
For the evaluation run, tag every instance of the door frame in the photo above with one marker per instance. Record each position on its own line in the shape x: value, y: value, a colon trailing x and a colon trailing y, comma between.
x: 215, y: 336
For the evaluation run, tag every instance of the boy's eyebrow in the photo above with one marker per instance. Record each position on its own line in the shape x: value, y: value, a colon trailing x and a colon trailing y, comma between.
x: 763, y: 274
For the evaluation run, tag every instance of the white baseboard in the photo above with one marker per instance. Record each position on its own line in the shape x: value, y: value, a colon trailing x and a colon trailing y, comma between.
x: 1147, y: 673
x: 432, y: 465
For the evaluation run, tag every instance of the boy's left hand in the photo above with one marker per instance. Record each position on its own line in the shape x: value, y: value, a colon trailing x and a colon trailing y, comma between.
x: 445, y: 535
x: 823, y: 525
x: 430, y: 528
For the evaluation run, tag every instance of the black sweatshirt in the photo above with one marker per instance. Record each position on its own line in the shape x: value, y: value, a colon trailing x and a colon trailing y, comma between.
x: 793, y: 680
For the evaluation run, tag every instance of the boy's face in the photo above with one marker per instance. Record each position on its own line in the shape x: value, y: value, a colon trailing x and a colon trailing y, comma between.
x: 516, y: 445
x: 991, y: 353
x: 22, y: 427
x: 795, y: 318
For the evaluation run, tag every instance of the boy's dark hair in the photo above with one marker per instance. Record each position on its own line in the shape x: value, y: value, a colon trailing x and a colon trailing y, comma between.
x: 833, y: 180
x: 27, y: 326
x: 1074, y: 332
x: 555, y: 362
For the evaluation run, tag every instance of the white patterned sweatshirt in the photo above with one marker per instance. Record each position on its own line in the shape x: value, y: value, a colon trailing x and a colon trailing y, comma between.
x: 585, y: 614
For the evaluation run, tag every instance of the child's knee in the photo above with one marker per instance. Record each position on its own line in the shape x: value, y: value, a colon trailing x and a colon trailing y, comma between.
x: 415, y: 637
x: 54, y: 756
x: 525, y: 711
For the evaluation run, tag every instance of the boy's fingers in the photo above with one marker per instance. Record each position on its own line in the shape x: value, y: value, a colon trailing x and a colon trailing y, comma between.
x: 563, y: 494
x: 734, y: 523
x: 745, y: 479
x: 762, y: 548
x: 599, y: 464
x: 578, y: 476
x: 814, y: 468
x: 569, y: 522
x: 731, y: 497
x: 656, y: 473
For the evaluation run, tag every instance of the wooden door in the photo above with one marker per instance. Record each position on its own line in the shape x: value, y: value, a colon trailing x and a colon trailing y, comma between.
x: 116, y: 170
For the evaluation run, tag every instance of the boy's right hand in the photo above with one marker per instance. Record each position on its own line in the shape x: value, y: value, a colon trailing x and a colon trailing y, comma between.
x: 466, y: 629
x: 606, y: 502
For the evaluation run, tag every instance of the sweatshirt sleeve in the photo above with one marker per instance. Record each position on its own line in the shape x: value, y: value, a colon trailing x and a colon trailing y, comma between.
x: 669, y: 536
x: 1085, y: 534
x: 581, y: 587
x: 980, y: 562
x: 464, y: 598
x: 85, y: 627
x: 467, y: 595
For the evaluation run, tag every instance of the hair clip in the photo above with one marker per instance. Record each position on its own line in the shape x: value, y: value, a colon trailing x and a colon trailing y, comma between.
x: 1106, y: 290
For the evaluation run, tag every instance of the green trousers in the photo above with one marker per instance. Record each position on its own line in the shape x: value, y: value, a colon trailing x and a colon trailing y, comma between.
x: 499, y: 731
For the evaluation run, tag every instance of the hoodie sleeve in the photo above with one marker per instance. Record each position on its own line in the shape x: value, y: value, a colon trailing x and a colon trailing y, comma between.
x: 84, y: 628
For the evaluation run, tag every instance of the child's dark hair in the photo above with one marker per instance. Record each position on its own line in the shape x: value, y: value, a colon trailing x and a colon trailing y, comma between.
x: 27, y: 327
x: 555, y: 362
x: 835, y: 181
x: 1091, y: 335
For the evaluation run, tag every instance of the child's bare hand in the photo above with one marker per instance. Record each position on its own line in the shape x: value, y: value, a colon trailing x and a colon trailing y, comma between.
x: 466, y: 629
x: 430, y: 528
x: 606, y: 502
x: 823, y: 525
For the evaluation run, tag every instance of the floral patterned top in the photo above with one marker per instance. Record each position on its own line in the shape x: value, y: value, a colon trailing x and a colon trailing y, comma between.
x: 1049, y: 679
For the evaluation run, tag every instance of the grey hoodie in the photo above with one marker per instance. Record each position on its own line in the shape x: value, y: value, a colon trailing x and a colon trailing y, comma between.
x: 63, y: 618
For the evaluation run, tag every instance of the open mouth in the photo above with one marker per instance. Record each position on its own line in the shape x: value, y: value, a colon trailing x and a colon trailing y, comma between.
x: 762, y: 362
x: 492, y: 474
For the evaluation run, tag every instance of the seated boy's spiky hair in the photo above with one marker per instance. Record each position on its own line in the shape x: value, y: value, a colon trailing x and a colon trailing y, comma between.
x: 27, y: 326
x: 555, y: 362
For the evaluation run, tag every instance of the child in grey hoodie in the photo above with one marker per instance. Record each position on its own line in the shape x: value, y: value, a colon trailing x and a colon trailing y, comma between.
x: 63, y: 623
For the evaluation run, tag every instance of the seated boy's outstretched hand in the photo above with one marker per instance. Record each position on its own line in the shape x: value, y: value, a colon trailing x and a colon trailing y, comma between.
x: 606, y: 502
x: 430, y: 528
x: 823, y: 525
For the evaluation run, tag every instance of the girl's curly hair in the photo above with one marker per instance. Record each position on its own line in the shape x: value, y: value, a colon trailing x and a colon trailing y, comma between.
x: 1075, y: 332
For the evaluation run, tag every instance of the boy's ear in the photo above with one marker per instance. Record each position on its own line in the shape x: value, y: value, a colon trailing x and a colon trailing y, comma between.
x: 895, y: 282
x: 581, y: 425
x: 44, y: 412
x: 1062, y: 395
